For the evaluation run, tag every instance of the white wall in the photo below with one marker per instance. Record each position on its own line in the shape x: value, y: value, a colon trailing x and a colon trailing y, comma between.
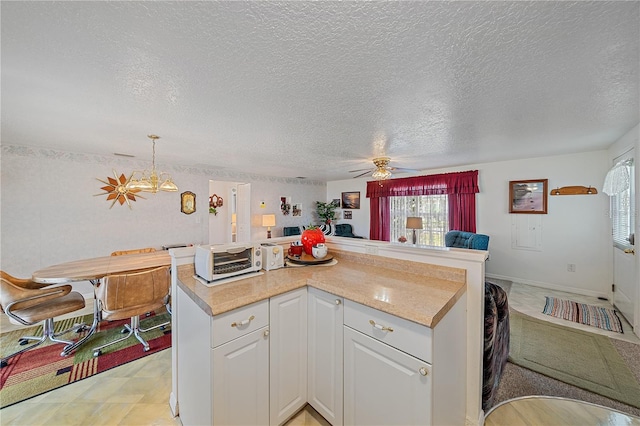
x: 360, y: 217
x: 576, y: 229
x: 49, y: 213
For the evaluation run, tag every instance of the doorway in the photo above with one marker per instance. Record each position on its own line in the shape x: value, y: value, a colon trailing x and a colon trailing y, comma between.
x: 626, y: 294
x: 231, y: 222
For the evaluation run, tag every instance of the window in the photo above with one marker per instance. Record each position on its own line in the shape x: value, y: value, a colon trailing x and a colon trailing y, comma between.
x: 434, y: 211
x: 621, y: 214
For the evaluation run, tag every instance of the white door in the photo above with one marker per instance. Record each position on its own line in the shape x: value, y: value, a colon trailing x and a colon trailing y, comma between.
x: 241, y: 380
x: 626, y: 294
x: 382, y: 385
x: 288, y: 364
x: 326, y: 314
x: 244, y: 212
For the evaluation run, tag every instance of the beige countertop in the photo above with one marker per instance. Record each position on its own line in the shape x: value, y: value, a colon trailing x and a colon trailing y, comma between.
x: 423, y: 295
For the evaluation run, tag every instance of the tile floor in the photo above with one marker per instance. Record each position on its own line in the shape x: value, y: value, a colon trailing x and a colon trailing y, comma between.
x: 137, y: 393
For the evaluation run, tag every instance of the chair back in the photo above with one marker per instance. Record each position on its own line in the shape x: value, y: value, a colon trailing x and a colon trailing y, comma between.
x: 468, y: 240
x: 344, y: 229
x: 127, y: 295
x: 133, y: 251
x: 21, y: 282
x: 14, y: 298
x: 291, y: 230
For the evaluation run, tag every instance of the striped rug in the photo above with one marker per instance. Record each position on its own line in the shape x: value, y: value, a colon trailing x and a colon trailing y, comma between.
x: 595, y: 316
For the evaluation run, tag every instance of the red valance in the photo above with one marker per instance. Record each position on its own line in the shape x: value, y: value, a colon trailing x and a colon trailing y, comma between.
x: 443, y: 183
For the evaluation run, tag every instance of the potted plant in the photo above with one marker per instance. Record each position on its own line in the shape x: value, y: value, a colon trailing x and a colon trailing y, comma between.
x: 326, y: 211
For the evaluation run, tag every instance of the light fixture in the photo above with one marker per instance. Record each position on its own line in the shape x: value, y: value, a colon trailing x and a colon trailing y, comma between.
x: 151, y: 181
x: 268, y: 220
x: 414, y: 223
x: 381, y: 172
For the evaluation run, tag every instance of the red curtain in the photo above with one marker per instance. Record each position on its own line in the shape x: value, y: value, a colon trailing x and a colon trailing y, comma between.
x: 460, y: 187
x: 379, y: 228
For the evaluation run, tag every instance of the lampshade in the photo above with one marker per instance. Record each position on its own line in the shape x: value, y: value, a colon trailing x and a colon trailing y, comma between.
x: 151, y: 181
x: 269, y: 220
x: 414, y: 223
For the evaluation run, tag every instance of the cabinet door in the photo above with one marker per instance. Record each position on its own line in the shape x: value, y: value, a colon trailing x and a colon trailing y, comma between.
x: 325, y: 354
x: 382, y: 385
x: 288, y: 365
x: 241, y: 380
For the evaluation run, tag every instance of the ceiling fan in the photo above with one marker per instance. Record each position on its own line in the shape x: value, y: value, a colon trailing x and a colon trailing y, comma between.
x: 382, y: 170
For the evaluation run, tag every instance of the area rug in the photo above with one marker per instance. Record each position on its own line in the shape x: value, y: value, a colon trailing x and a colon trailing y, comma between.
x: 586, y: 360
x: 42, y: 369
x: 595, y: 316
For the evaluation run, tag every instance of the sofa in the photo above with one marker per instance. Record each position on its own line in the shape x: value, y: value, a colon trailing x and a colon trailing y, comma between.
x: 339, y: 230
x: 468, y: 240
x: 496, y: 341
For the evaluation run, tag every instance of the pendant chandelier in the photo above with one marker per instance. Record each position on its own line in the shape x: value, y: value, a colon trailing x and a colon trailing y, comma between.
x: 151, y: 181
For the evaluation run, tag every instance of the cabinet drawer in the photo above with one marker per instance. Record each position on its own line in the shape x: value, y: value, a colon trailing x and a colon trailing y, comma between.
x: 407, y: 336
x: 237, y: 323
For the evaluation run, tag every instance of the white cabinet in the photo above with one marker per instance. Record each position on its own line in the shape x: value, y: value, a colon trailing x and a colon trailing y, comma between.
x: 400, y: 372
x: 288, y: 364
x: 223, y: 364
x: 383, y: 385
x: 325, y: 345
x: 241, y: 380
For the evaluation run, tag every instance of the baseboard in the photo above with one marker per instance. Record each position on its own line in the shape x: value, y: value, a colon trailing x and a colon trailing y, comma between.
x: 550, y: 286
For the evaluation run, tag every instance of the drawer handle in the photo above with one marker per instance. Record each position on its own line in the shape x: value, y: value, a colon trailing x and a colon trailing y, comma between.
x: 338, y: 301
x: 241, y: 323
x: 380, y: 327
x: 423, y: 371
x: 266, y: 333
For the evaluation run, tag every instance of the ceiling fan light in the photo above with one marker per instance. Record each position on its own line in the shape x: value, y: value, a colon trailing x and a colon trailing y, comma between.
x: 381, y: 174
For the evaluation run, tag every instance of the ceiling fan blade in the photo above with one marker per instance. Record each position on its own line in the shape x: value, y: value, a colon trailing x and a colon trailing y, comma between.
x: 401, y: 169
x: 362, y: 174
x: 360, y: 170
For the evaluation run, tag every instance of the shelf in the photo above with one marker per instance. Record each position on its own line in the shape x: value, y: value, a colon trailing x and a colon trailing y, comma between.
x: 574, y: 190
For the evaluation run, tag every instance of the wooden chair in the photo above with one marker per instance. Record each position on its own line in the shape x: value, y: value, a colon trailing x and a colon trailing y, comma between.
x: 27, y: 303
x: 130, y: 295
x: 133, y: 251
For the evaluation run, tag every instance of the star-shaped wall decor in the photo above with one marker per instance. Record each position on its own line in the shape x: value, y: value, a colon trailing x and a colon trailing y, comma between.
x: 116, y: 190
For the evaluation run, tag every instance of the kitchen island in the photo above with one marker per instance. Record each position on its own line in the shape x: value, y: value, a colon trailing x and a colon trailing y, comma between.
x: 370, y: 337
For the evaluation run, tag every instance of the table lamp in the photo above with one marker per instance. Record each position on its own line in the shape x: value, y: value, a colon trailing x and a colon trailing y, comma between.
x: 414, y: 223
x: 268, y: 220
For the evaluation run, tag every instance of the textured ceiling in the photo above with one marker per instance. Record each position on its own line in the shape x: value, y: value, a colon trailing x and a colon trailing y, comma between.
x: 316, y: 89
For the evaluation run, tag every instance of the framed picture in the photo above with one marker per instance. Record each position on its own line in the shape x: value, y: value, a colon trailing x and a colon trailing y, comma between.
x: 297, y: 210
x: 187, y: 202
x: 528, y: 196
x: 336, y: 202
x: 347, y: 214
x: 351, y: 200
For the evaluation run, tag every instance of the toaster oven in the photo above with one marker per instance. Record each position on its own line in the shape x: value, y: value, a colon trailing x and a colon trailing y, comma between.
x: 227, y: 260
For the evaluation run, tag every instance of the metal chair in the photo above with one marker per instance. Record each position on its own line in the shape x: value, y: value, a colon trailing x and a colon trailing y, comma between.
x: 143, y: 250
x: 131, y: 295
x: 27, y: 303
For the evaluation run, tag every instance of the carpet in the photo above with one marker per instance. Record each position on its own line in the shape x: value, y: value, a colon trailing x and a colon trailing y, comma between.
x: 595, y: 316
x: 586, y: 360
x: 42, y: 369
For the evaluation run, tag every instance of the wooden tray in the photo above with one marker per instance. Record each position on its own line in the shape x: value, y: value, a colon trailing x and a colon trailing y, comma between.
x: 307, y: 259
